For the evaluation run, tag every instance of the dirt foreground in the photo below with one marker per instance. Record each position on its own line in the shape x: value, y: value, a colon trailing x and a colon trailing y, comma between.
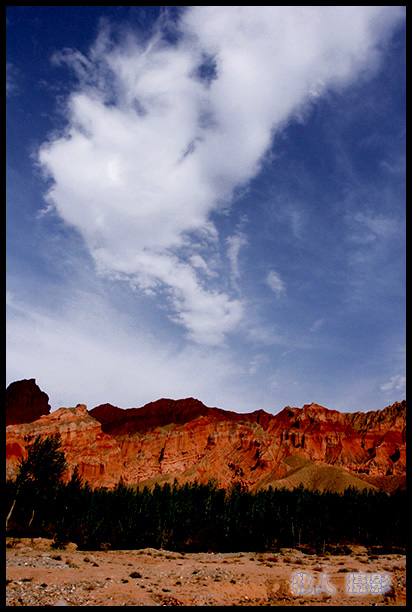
x: 38, y: 575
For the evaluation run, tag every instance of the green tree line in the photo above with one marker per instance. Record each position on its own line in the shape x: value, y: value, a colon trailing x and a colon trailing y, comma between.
x: 192, y: 516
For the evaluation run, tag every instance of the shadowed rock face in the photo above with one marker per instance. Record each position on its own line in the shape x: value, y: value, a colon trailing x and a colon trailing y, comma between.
x: 25, y: 402
x: 184, y: 439
x: 165, y: 411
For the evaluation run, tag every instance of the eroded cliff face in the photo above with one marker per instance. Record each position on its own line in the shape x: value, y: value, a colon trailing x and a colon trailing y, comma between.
x: 371, y: 443
x: 96, y: 454
x: 186, y: 440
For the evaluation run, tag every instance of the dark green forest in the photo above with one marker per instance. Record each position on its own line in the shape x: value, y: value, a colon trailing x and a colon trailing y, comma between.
x: 193, y: 517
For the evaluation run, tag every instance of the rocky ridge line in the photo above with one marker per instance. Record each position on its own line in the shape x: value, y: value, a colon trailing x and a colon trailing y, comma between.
x: 185, y: 439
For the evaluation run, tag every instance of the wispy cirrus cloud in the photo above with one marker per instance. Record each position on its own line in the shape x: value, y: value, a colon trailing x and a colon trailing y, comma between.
x: 11, y: 78
x: 275, y: 283
x: 88, y: 352
x: 396, y: 383
x: 368, y: 227
x: 160, y: 134
x: 235, y: 243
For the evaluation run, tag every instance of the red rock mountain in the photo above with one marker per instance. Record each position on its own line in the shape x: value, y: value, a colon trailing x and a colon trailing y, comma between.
x: 25, y: 402
x: 184, y: 439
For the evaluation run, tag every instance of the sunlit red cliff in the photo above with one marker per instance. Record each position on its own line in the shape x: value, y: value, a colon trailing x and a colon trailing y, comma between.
x: 186, y: 440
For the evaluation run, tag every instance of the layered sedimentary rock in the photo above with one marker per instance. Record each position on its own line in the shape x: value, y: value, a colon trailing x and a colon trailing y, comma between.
x: 371, y: 443
x: 184, y: 439
x: 96, y: 454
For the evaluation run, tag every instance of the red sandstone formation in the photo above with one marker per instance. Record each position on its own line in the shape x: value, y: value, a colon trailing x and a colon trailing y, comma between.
x: 85, y: 444
x: 162, y: 412
x: 25, y: 402
x: 184, y: 439
x: 371, y: 443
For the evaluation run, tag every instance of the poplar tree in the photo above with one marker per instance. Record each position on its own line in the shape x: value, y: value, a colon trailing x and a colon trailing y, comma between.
x: 38, y: 478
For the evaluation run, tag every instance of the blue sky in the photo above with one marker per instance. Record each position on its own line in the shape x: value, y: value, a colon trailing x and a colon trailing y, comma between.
x: 207, y: 202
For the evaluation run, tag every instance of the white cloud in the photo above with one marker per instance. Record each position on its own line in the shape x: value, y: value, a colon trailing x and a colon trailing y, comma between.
x: 88, y: 352
x: 257, y: 362
x: 276, y: 284
x: 317, y: 325
x: 11, y: 78
x: 396, y: 383
x: 235, y: 243
x: 152, y: 148
x: 368, y: 227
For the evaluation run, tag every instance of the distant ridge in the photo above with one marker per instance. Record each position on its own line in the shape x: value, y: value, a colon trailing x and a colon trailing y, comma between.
x: 165, y: 411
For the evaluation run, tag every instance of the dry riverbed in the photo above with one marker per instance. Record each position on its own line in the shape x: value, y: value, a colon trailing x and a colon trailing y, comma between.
x: 38, y: 575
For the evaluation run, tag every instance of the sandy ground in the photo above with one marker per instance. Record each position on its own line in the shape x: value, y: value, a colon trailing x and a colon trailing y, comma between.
x: 38, y: 575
